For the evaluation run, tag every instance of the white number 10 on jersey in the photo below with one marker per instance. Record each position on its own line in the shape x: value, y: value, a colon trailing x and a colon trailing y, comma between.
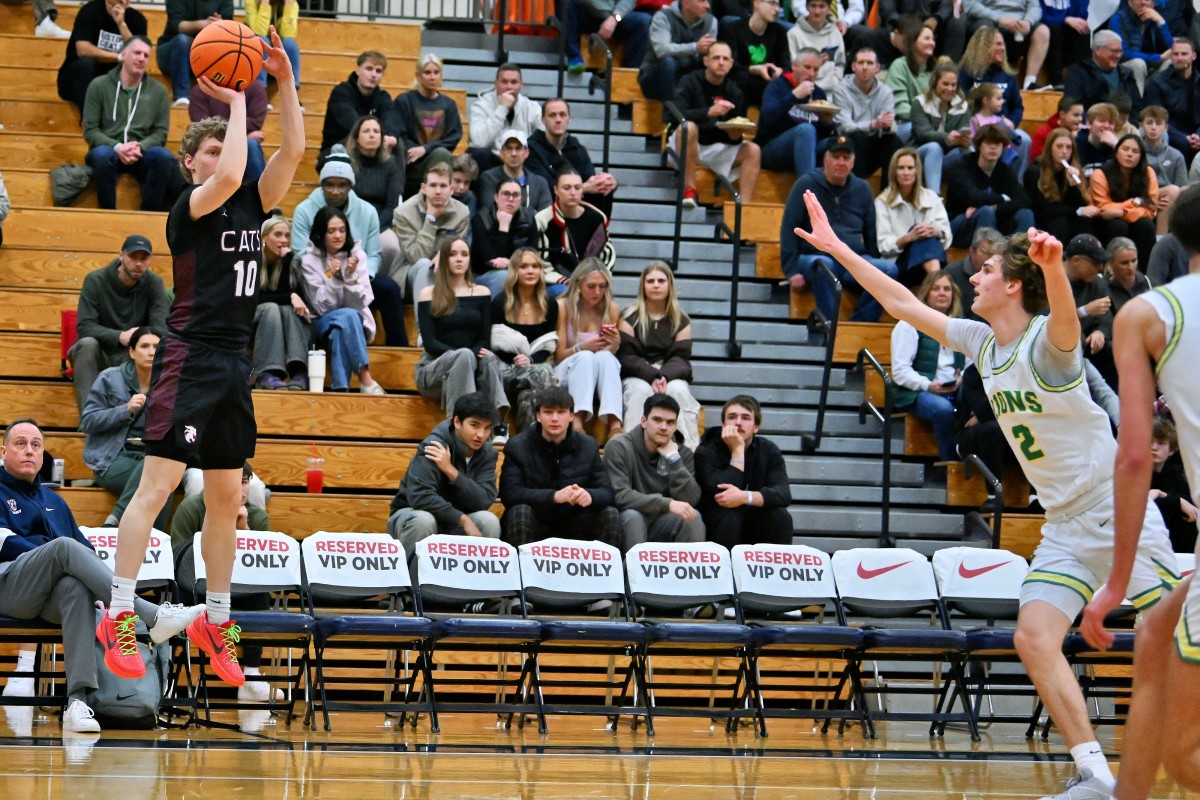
x: 247, y: 278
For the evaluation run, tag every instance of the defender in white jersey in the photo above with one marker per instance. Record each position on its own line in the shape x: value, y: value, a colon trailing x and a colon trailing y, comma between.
x: 1032, y: 369
x: 1156, y: 335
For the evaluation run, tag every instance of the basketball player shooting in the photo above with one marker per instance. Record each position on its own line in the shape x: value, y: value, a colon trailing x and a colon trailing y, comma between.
x: 200, y: 411
x: 1032, y: 370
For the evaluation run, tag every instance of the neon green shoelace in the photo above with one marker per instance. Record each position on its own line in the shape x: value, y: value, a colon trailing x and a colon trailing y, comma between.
x: 232, y: 635
x: 127, y: 636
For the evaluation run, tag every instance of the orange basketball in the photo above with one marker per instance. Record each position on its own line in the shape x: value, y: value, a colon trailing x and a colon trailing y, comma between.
x: 228, y: 53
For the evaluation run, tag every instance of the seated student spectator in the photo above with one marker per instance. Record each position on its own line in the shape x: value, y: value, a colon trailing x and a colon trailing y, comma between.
x: 817, y: 30
x: 497, y: 231
x: 282, y: 320
x: 114, y: 419
x: 986, y: 61
x: 910, y: 221
x: 1095, y: 141
x: 985, y: 243
x: 463, y: 173
x: 1020, y: 23
x: 925, y: 373
x: 430, y: 125
x: 496, y: 112
x: 656, y: 352
x: 1175, y: 90
x: 337, y: 191
x: 1126, y: 122
x: 1145, y: 38
x: 726, y: 11
x: 908, y: 77
x: 186, y: 18
x: 981, y: 191
x: 888, y: 39
x: 49, y: 570
x: 356, y: 97
x: 378, y: 179
x: 787, y: 135
x: 1126, y: 192
x: 865, y: 116
x: 1084, y: 260
x: 1070, y: 37
x: 553, y: 147
x: 570, y: 231
x: 333, y: 271
x: 285, y: 16
x: 523, y: 314
x: 1168, y: 261
x: 986, y: 100
x: 844, y: 13
x: 680, y: 35
x: 116, y: 300
x: 1169, y: 487
x: 706, y: 99
x: 514, y: 152
x: 420, y: 223
x: 615, y: 20
x: 1168, y: 164
x: 100, y: 31
x: 1058, y: 192
x: 836, y: 187
x: 455, y: 318
x: 941, y: 124
x: 1094, y: 79
x: 450, y: 483
x: 760, y: 50
x: 978, y: 431
x: 653, y: 477
x: 1069, y: 116
x: 938, y: 15
x: 45, y: 20
x: 588, y: 339
x: 743, y: 480
x: 204, y: 105
x: 553, y: 482
x: 1121, y: 273
x: 126, y: 115
x: 5, y: 207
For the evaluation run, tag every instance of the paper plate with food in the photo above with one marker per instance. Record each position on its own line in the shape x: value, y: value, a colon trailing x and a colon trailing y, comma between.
x: 820, y: 107
x: 744, y: 124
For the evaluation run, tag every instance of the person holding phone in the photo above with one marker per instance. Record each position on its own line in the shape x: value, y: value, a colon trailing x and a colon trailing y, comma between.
x: 587, y: 345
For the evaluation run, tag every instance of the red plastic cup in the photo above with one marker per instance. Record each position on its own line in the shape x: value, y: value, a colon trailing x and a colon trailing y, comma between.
x: 314, y: 475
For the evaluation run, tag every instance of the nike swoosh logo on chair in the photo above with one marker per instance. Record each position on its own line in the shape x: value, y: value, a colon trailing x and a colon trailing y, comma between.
x: 968, y: 572
x: 867, y: 574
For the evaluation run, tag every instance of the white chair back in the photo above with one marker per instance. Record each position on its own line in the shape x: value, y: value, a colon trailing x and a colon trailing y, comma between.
x: 884, y: 582
x: 669, y: 575
x: 462, y: 568
x: 158, y: 566
x: 980, y: 582
x: 354, y: 564
x: 265, y: 561
x: 569, y: 571
x: 781, y: 577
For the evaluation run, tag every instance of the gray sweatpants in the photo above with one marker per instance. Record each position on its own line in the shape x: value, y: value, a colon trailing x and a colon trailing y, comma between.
x: 60, y: 582
x: 457, y: 372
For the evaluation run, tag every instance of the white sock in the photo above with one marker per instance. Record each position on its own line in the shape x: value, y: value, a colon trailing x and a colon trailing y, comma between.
x: 25, y: 659
x: 218, y: 607
x: 1090, y: 755
x: 251, y: 671
x: 122, y: 596
x: 1030, y: 80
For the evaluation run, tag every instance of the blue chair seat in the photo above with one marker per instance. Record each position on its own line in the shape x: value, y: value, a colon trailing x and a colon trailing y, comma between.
x: 832, y: 636
x: 275, y: 622
x: 595, y: 630
x: 506, y: 628
x: 374, y: 625
x: 914, y: 639
x: 700, y: 633
x: 1075, y: 645
x: 990, y: 639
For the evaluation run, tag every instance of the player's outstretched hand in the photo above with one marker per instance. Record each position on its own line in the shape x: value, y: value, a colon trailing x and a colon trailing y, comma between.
x: 221, y: 93
x: 1092, y: 627
x: 1044, y: 249
x: 277, y: 64
x: 822, y: 236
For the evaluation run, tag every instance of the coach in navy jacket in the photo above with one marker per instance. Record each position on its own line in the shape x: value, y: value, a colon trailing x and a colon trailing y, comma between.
x: 35, y: 514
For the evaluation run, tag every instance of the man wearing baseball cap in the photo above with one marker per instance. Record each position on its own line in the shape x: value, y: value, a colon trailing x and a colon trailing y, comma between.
x: 116, y: 300
x: 1085, y: 267
x: 514, y: 151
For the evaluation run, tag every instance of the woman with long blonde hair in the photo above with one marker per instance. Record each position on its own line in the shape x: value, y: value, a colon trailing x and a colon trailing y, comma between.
x: 587, y: 344
x: 524, y: 325
x: 432, y: 124
x: 986, y: 61
x: 283, y: 320
x: 911, y: 224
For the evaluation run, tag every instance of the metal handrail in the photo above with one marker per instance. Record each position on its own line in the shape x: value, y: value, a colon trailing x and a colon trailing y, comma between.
x: 732, y: 348
x: 605, y: 85
x: 865, y: 359
x: 995, y: 492
x: 675, y: 117
x: 502, y: 21
x: 558, y: 25
x: 810, y: 442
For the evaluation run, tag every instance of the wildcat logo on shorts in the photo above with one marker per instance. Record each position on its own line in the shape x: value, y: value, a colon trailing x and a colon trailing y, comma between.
x: 189, y: 434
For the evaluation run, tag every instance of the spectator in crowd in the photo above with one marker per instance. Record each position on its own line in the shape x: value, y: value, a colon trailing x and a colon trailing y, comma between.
x: 1085, y: 260
x: 204, y: 105
x: 1168, y: 261
x: 45, y: 19
x: 1070, y: 37
x: 337, y: 191
x: 1169, y: 487
x: 1145, y: 38
x: 283, y: 320
x: 941, y: 124
x: 115, y: 301
x: 1126, y: 192
x: 1095, y: 79
x: 1058, y: 192
x: 497, y: 231
x: 553, y: 147
x: 653, y: 477
x: 706, y: 99
x: 114, y: 419
x: 1175, y: 90
x: 514, y: 152
x: 908, y: 77
x: 588, y: 339
x: 524, y: 333
x: 1020, y: 23
x: 615, y: 21
x: 285, y: 16
x: 1068, y: 115
x: 979, y: 432
x: 656, y: 352
x: 787, y: 135
x: 844, y: 13
x: 5, y: 207
x: 1168, y: 164
x: 333, y: 271
x: 126, y: 115
x: 743, y: 480
x: 553, y: 482
x: 1126, y: 122
x: 420, y: 223
x: 450, y: 484
x: 100, y: 31
x: 937, y: 15
x: 378, y: 180
x: 866, y: 117
x: 570, y: 231
x: 981, y: 191
x: 496, y: 112
x: 760, y: 50
x: 985, y: 243
x: 463, y: 173
x: 986, y: 100
x: 356, y: 97
x: 680, y: 35
x: 49, y: 570
x: 911, y: 225
x: 926, y: 373
x: 817, y: 30
x: 838, y: 188
x: 1121, y: 273
x: 986, y: 61
x: 186, y: 18
x: 455, y: 318
x: 430, y: 125
x: 1096, y: 141
x: 726, y: 11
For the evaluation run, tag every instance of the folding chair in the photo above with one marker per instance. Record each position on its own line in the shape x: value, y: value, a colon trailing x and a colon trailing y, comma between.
x: 459, y: 569
x: 678, y: 577
x: 773, y: 580
x: 363, y: 566
x: 894, y: 584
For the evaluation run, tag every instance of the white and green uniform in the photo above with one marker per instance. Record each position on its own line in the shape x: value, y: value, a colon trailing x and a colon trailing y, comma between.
x: 1065, y: 446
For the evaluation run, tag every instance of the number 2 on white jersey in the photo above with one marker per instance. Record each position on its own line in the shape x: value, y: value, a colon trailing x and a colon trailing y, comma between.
x: 247, y: 278
x: 1028, y: 446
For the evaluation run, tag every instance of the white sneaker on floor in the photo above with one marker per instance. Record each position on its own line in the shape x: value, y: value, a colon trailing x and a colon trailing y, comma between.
x: 78, y: 746
x: 1084, y: 786
x: 256, y: 691
x: 49, y: 28
x: 79, y: 718
x: 374, y: 388
x: 18, y: 687
x: 182, y: 102
x: 172, y: 619
x: 19, y: 720
x: 253, y: 721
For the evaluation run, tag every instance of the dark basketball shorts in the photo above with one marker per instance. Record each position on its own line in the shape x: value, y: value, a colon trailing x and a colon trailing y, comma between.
x: 200, y: 412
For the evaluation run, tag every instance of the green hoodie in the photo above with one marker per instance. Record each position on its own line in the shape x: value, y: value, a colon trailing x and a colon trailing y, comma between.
x: 113, y: 114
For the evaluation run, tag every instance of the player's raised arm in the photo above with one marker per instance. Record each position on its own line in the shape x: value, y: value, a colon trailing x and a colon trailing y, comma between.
x: 895, y: 298
x: 217, y: 187
x: 276, y: 179
x: 1063, y: 325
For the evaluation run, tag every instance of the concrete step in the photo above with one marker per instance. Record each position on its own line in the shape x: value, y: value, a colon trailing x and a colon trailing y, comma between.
x: 847, y: 521
x: 713, y: 347
x: 836, y: 471
x: 867, y: 495
x: 752, y: 376
x: 769, y: 334
x: 700, y: 289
